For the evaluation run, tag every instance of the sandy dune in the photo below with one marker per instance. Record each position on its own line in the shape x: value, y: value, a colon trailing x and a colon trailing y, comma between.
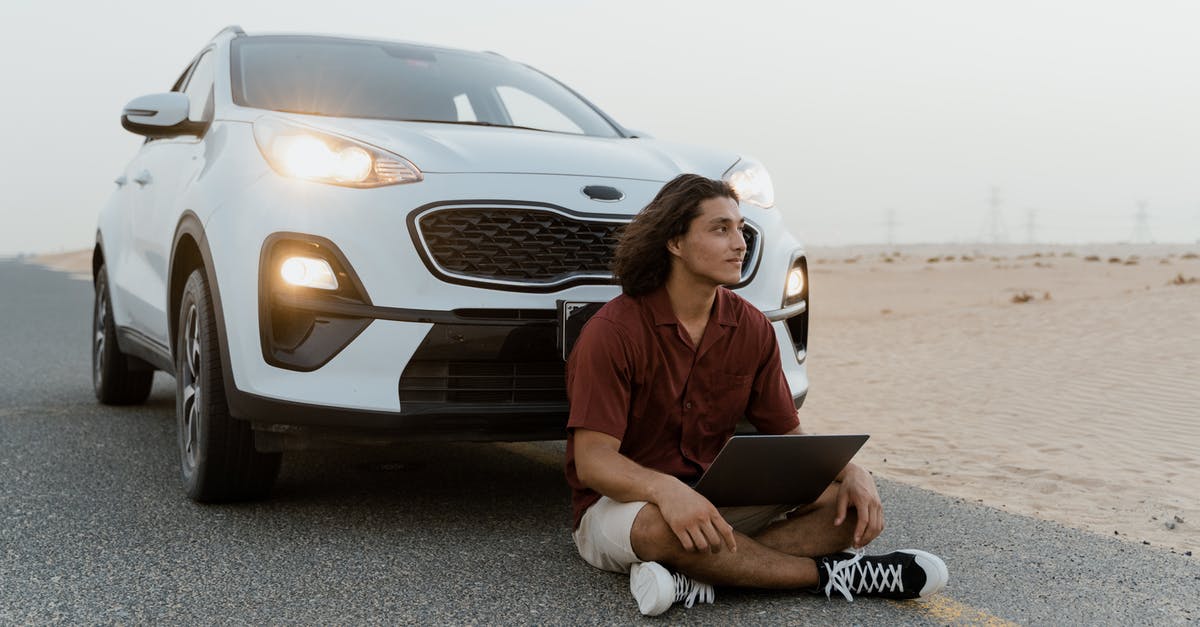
x: 1080, y: 405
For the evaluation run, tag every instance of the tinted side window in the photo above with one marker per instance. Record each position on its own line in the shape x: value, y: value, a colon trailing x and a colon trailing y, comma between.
x: 200, y: 89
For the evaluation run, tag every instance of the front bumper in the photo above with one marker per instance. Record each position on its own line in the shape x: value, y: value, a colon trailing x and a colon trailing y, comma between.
x: 471, y: 378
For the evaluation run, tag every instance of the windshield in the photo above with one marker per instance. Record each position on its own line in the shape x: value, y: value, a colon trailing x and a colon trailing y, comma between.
x: 365, y: 79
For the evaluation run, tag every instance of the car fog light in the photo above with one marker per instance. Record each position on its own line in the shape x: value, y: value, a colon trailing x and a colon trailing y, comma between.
x: 308, y: 272
x: 795, y: 283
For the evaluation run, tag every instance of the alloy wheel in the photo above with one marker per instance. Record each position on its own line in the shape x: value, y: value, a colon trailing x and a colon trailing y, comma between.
x: 191, y: 377
x: 98, y: 339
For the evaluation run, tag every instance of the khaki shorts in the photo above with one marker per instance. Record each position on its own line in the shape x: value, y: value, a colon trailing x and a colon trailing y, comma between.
x: 603, y: 534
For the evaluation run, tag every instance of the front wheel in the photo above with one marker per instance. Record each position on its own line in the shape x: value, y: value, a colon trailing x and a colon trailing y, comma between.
x: 219, y: 461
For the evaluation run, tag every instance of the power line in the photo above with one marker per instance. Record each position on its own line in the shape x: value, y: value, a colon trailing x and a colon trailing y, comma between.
x: 891, y: 225
x: 1141, y: 225
x: 993, y: 228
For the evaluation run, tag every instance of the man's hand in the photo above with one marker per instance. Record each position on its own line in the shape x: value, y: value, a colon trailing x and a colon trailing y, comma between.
x: 695, y: 520
x: 858, y: 491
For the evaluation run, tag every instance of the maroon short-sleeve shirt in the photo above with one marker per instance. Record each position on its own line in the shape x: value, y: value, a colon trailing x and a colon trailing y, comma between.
x: 635, y: 374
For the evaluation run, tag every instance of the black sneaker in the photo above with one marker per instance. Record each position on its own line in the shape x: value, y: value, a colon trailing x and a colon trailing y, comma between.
x: 904, y: 574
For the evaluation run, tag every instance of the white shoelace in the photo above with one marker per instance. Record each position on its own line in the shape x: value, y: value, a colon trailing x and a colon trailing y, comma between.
x: 690, y: 591
x: 852, y: 575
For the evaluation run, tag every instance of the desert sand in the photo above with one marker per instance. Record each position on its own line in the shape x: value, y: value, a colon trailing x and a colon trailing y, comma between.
x: 1057, y: 382
x: 77, y: 263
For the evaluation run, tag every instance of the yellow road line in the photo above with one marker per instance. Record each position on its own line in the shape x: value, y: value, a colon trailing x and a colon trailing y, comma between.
x: 947, y: 611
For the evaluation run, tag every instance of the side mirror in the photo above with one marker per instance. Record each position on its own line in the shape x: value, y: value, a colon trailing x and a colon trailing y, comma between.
x: 639, y: 134
x: 160, y: 115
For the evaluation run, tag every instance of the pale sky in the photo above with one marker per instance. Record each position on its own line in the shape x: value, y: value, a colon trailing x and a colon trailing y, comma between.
x: 1076, y: 111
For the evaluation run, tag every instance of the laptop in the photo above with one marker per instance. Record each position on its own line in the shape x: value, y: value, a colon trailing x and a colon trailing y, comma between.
x: 776, y: 469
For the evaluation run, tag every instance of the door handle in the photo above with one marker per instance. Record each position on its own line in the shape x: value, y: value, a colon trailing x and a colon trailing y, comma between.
x: 143, y: 178
x: 120, y: 181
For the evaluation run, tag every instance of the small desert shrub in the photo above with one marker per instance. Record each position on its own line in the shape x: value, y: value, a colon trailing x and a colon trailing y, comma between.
x: 1183, y: 280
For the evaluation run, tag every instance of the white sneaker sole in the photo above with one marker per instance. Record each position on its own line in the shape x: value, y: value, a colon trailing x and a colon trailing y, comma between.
x: 652, y: 588
x: 936, y: 573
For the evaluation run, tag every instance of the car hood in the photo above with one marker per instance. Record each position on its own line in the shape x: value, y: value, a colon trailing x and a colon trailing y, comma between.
x: 451, y: 148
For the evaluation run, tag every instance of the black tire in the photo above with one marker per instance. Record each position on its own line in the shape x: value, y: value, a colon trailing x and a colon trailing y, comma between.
x: 219, y: 461
x: 116, y: 378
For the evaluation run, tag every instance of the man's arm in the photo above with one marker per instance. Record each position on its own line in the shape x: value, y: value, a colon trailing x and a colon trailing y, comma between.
x: 600, y: 466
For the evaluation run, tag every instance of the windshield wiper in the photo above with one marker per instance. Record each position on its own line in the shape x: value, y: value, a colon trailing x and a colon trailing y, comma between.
x: 462, y: 122
x: 475, y: 123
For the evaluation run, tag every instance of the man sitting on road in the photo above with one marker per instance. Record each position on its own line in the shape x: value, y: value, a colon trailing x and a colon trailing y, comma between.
x: 657, y: 381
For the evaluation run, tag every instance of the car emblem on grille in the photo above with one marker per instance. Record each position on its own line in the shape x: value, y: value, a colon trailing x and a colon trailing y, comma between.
x: 603, y: 193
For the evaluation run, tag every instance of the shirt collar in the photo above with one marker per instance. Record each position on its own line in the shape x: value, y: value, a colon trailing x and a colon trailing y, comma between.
x: 659, y: 304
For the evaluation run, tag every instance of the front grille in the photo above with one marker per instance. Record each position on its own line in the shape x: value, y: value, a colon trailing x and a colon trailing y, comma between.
x: 517, y: 245
x: 526, y: 245
x: 443, y: 381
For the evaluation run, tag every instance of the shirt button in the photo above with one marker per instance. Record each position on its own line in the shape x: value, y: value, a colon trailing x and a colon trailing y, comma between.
x: 687, y: 405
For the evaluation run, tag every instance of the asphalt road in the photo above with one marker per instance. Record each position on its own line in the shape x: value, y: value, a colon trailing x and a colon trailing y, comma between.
x: 94, y: 527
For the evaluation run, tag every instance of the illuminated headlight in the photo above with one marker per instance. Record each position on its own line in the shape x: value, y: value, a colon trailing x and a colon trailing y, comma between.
x: 301, y: 152
x: 752, y: 183
x: 794, y: 287
x: 795, y: 283
x: 308, y: 272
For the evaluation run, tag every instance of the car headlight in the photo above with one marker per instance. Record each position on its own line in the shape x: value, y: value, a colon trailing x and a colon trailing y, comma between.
x: 298, y: 151
x: 752, y: 182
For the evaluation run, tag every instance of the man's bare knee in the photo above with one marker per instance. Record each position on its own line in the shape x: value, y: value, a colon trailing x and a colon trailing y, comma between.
x: 651, y: 536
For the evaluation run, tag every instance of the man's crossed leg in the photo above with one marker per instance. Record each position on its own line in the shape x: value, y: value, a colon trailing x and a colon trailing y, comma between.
x: 777, y: 547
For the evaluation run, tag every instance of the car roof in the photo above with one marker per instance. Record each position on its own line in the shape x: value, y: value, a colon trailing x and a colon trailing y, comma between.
x: 236, y: 32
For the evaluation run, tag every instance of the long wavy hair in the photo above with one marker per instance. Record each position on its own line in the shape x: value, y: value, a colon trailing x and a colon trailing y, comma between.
x: 641, y: 262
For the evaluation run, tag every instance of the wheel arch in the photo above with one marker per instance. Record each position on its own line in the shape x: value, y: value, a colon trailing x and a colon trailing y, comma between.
x: 97, y: 256
x: 190, y: 251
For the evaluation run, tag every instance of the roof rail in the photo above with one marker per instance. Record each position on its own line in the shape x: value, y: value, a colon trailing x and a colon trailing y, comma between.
x: 232, y: 29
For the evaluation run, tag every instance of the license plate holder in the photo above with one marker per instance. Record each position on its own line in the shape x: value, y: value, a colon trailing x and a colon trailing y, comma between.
x: 572, y: 315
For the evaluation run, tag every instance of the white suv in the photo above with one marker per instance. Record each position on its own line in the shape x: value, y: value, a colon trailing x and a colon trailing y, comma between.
x: 347, y: 241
